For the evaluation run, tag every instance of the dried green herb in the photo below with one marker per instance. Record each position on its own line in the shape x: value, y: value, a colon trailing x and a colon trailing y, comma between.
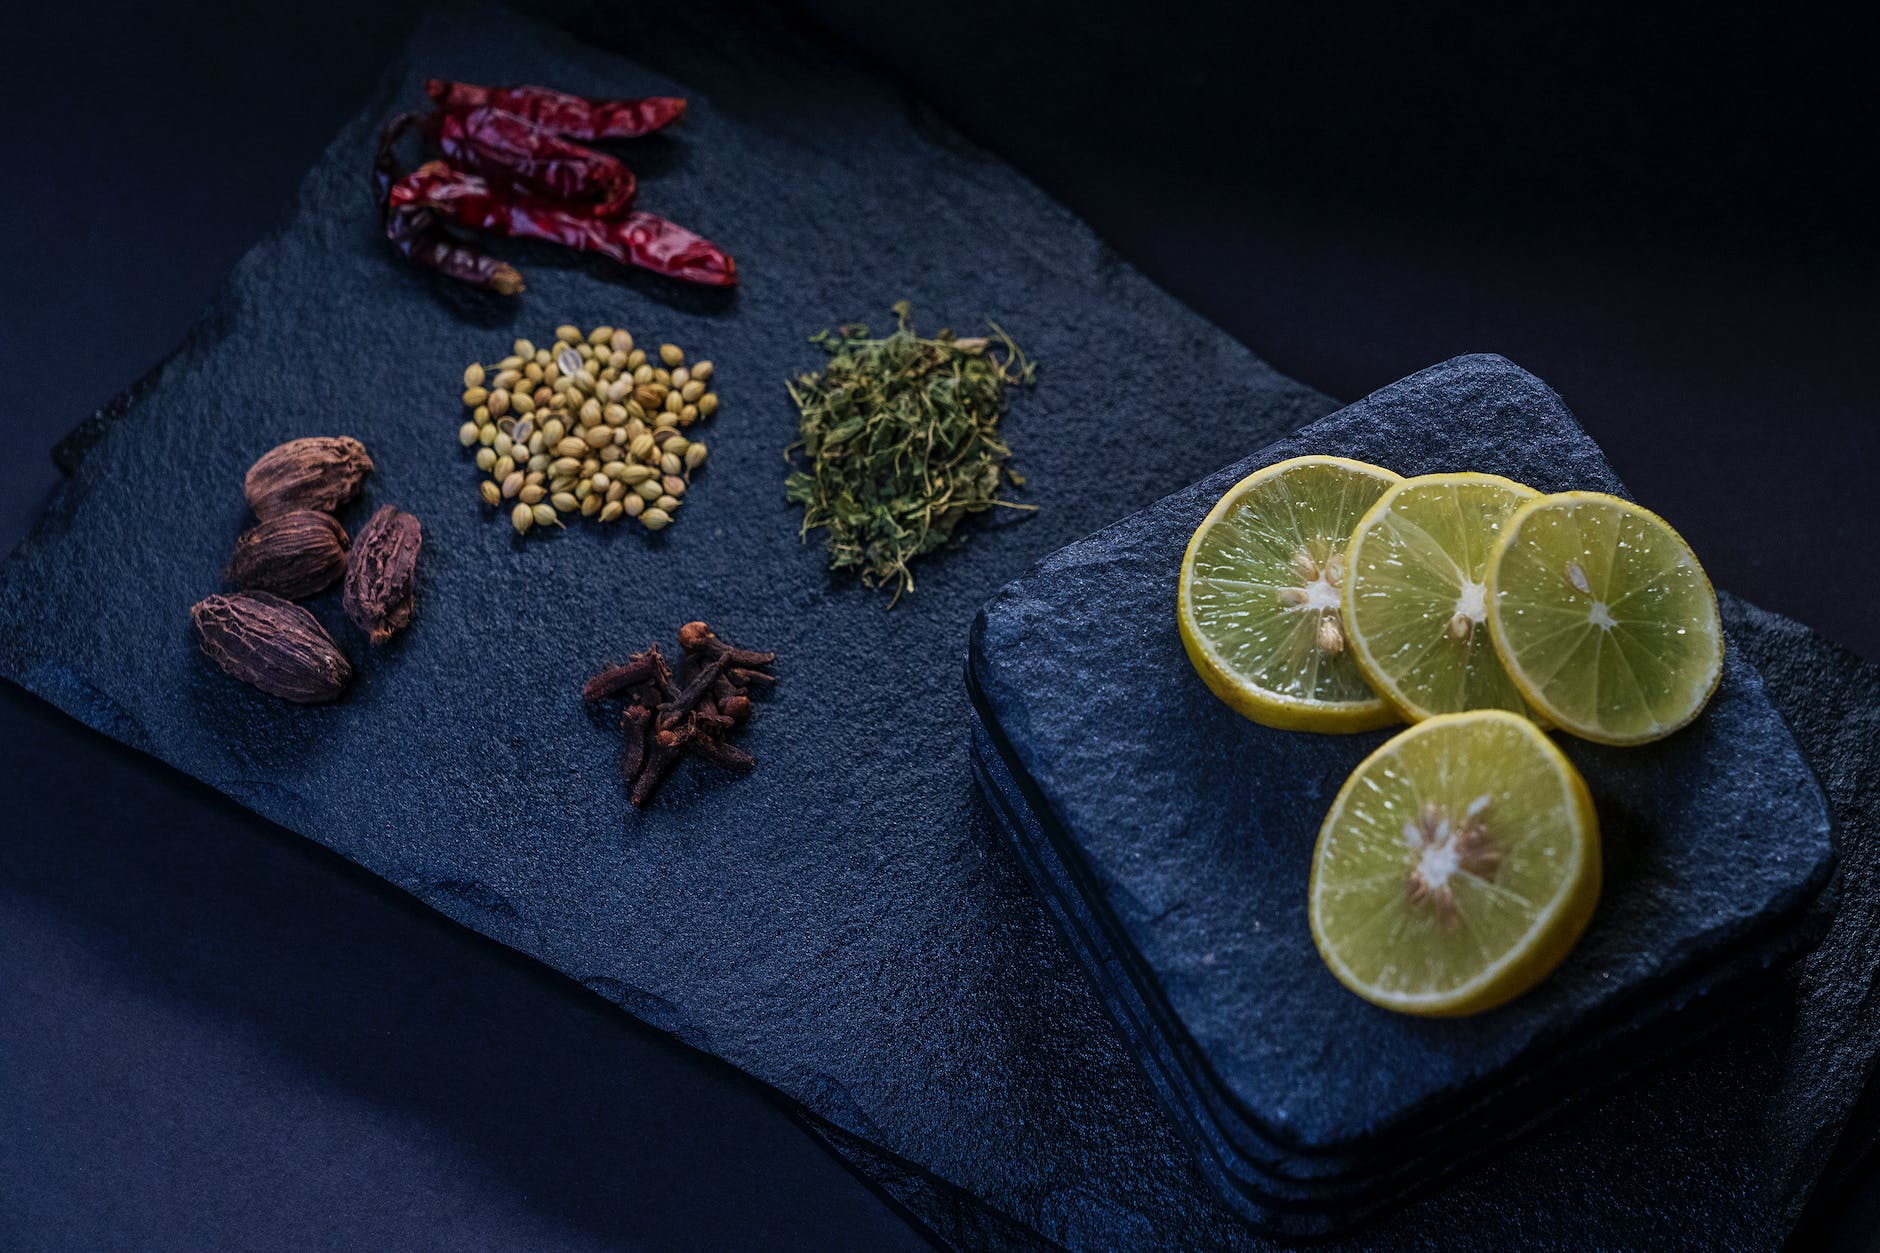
x: 900, y: 441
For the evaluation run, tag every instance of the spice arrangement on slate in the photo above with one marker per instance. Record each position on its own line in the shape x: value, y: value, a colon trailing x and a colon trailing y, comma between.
x: 510, y: 165
x: 888, y: 492
x: 297, y: 550
x: 899, y: 442
x: 589, y: 425
x: 666, y: 721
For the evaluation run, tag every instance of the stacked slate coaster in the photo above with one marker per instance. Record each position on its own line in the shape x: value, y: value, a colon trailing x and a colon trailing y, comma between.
x: 1172, y: 839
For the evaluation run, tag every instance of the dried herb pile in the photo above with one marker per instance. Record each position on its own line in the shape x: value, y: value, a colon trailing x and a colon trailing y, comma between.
x: 667, y: 720
x: 900, y: 442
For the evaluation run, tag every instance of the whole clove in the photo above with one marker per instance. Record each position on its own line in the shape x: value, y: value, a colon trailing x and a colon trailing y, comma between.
x: 382, y: 577
x: 272, y: 644
x: 319, y: 472
x: 664, y: 723
x: 293, y: 555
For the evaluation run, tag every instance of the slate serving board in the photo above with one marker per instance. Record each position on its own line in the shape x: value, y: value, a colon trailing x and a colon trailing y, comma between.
x: 1187, y: 876
x: 845, y: 925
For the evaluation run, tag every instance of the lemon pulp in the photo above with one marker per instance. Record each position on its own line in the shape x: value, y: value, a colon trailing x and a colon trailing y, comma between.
x: 1416, y: 594
x: 1457, y: 866
x: 1604, y: 618
x: 1260, y: 605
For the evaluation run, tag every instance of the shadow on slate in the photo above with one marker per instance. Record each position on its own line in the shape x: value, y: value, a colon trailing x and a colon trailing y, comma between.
x: 1174, y: 838
x: 845, y: 925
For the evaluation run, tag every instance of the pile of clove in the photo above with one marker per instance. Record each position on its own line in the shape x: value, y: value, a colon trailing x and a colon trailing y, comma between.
x: 666, y: 720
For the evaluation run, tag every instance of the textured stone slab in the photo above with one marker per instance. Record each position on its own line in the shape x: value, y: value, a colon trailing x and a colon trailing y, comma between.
x: 1719, y: 1148
x: 1195, y: 865
x: 1364, y: 1185
x: 846, y: 925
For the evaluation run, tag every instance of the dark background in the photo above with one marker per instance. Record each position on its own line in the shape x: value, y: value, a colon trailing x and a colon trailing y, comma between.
x: 214, y: 1034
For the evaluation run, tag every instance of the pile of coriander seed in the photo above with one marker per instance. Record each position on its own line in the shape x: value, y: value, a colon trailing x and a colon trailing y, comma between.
x: 588, y: 425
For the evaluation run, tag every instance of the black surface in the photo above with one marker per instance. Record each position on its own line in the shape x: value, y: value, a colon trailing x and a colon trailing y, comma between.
x: 217, y: 1035
x: 1193, y: 873
x: 1676, y: 320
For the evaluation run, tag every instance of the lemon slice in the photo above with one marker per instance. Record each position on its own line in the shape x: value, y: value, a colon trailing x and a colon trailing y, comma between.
x: 1603, y: 617
x: 1260, y: 607
x: 1416, y: 594
x: 1457, y: 867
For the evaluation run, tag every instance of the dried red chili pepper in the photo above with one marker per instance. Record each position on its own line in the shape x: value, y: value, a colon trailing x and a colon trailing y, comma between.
x: 515, y: 154
x: 562, y: 113
x: 635, y: 239
x: 417, y: 232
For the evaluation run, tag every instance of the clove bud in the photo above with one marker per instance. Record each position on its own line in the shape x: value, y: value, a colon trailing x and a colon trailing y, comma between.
x: 382, y: 578
x: 272, y: 644
x: 664, y: 724
x: 292, y: 554
x: 319, y: 472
